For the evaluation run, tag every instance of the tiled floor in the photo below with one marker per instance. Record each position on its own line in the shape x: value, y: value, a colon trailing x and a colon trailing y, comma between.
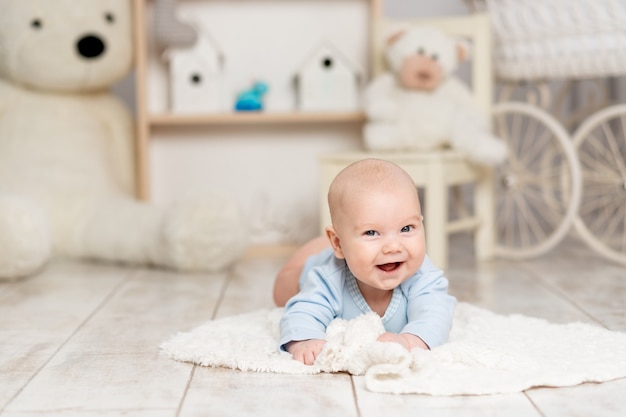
x: 81, y: 340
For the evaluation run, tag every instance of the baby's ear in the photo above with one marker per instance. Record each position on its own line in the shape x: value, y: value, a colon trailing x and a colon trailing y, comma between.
x: 335, y: 242
x: 463, y: 50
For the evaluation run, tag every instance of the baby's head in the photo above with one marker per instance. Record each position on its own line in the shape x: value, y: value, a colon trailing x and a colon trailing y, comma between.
x: 376, y: 222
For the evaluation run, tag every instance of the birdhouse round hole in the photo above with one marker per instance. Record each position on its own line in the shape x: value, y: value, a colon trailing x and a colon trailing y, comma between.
x: 327, y: 62
x: 196, y: 78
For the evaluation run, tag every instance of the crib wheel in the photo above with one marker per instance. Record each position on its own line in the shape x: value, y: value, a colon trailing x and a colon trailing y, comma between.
x: 538, y: 188
x: 601, y: 145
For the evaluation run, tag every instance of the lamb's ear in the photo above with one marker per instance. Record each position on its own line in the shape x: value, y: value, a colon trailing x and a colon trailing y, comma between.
x: 463, y: 50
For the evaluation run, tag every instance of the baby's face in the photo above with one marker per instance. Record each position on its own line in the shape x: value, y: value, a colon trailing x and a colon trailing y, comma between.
x: 382, y: 237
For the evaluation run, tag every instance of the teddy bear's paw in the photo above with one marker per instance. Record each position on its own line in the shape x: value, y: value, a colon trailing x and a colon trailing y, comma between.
x: 381, y: 137
x: 490, y: 151
x: 500, y: 152
x: 204, y: 234
x: 25, y: 242
x: 382, y: 110
x: 480, y: 147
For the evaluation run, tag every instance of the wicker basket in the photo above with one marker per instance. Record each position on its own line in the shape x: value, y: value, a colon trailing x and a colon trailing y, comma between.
x: 542, y: 39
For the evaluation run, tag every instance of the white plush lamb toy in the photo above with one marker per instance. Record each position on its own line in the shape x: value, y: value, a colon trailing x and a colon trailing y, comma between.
x: 422, y: 105
x: 66, y: 161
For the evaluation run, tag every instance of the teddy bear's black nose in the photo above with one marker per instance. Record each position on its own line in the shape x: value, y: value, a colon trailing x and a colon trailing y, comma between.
x: 90, y: 46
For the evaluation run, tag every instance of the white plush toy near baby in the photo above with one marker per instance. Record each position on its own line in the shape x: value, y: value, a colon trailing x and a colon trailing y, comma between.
x: 421, y: 105
x: 66, y: 150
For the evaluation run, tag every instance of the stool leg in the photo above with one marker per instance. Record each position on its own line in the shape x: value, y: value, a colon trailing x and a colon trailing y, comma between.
x: 484, y: 207
x: 436, y: 216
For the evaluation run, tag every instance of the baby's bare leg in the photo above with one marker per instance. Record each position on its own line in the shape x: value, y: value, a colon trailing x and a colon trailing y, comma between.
x: 286, y: 283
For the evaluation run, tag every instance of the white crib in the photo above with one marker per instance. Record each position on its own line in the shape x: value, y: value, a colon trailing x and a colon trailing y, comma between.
x: 562, y: 171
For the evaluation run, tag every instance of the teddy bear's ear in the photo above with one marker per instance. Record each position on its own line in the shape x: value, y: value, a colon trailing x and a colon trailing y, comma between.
x: 393, y: 37
x: 393, y: 32
x: 463, y: 50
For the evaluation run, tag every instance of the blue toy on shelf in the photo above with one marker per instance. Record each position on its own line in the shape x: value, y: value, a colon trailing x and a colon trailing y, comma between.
x: 251, y: 99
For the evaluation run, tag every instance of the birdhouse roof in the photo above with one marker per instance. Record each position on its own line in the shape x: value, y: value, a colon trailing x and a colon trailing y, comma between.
x: 326, y: 44
x: 204, y: 39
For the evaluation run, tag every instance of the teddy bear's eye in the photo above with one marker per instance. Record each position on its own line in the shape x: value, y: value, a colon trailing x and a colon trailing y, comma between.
x: 36, y: 23
x: 435, y: 57
x: 109, y: 17
x: 420, y: 51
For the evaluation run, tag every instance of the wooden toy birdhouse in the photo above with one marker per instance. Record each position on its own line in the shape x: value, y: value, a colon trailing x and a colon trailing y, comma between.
x: 196, y: 75
x: 328, y: 81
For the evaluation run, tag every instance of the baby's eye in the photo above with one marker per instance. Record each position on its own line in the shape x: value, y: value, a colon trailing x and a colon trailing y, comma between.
x: 370, y: 233
x: 406, y: 229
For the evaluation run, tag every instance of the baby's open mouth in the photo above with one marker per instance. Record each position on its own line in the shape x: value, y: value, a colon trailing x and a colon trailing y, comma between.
x: 390, y: 266
x: 423, y: 76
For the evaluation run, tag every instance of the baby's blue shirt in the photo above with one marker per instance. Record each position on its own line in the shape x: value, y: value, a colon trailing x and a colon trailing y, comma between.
x: 421, y: 305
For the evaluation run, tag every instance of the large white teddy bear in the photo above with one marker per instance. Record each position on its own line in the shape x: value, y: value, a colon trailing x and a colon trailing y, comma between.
x: 421, y: 105
x: 66, y: 150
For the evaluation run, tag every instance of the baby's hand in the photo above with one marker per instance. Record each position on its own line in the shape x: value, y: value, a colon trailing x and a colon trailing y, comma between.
x: 305, y: 351
x: 407, y: 340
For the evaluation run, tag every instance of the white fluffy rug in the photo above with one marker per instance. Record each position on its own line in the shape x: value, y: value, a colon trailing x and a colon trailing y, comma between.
x: 487, y: 353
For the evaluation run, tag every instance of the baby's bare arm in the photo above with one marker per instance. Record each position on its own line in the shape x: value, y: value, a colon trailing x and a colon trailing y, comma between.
x: 305, y: 351
x: 408, y: 340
